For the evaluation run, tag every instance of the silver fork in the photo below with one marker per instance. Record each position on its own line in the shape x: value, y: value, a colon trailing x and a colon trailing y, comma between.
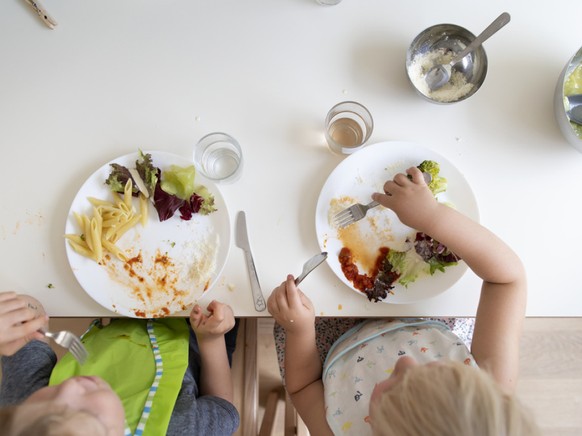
x: 69, y: 341
x: 358, y: 211
x: 352, y: 214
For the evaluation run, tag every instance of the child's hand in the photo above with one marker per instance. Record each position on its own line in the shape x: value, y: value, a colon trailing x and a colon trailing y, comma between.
x: 20, y: 318
x: 291, y: 308
x: 410, y: 198
x: 219, y: 321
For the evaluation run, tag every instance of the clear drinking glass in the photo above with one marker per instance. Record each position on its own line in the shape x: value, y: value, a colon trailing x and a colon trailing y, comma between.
x: 218, y: 157
x: 348, y: 126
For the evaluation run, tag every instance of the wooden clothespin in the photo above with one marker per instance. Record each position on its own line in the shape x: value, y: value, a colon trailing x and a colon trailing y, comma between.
x: 42, y: 13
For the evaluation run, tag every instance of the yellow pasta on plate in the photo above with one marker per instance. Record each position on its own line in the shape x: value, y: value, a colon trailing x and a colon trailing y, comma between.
x: 132, y: 263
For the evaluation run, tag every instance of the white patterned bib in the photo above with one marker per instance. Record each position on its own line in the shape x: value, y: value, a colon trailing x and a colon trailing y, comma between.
x: 366, y: 355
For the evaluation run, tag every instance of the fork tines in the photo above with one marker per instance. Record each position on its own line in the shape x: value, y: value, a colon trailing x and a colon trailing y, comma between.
x: 70, y: 341
x: 347, y: 216
x: 78, y: 350
x: 352, y: 214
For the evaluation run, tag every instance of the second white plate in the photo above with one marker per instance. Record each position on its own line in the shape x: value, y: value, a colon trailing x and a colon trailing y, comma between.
x: 353, y: 181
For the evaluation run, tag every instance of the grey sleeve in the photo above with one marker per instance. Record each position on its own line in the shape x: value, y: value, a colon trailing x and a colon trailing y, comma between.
x: 25, y: 372
x: 205, y: 415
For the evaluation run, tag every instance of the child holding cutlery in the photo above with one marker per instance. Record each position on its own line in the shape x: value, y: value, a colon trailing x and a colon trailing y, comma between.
x: 141, y: 377
x: 414, y: 376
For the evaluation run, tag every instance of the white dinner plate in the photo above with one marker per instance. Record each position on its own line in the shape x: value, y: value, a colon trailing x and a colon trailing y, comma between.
x: 353, y: 181
x: 174, y: 262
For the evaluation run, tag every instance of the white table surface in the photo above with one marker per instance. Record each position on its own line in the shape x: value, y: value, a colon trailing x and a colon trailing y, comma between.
x: 115, y: 76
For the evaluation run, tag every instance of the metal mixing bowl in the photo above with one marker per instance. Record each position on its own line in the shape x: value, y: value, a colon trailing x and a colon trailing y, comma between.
x: 446, y: 40
x: 561, y: 105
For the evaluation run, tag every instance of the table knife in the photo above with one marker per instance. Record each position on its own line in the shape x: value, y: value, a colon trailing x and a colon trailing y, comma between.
x: 242, y: 241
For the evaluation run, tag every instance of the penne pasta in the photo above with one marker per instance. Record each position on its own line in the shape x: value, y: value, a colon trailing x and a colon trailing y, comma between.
x: 77, y: 240
x: 122, y: 209
x: 98, y: 202
x: 110, y: 232
x: 82, y: 250
x: 112, y: 215
x: 95, y: 229
x: 79, y: 219
x: 124, y: 228
x: 98, y: 221
x: 87, y: 231
x: 113, y: 249
x: 116, y: 198
x: 109, y: 222
x: 143, y: 209
x: 128, y: 194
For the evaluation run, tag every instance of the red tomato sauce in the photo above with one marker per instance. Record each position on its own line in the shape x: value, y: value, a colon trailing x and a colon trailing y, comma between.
x: 361, y: 281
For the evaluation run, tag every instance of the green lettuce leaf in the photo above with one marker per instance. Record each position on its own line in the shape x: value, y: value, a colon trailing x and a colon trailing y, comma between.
x: 438, y: 184
x: 118, y: 178
x: 208, y: 200
x: 408, y: 264
x: 147, y: 171
x: 179, y: 181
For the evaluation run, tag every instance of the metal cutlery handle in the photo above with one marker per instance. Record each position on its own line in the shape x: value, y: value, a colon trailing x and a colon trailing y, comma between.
x: 301, y: 277
x: 242, y: 241
x: 489, y: 31
x: 258, y: 298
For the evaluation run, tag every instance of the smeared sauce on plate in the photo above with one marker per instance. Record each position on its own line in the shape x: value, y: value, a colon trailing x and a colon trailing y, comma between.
x: 154, y: 281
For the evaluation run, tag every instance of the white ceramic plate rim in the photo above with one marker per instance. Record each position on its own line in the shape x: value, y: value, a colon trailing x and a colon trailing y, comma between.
x: 364, y: 172
x: 112, y: 294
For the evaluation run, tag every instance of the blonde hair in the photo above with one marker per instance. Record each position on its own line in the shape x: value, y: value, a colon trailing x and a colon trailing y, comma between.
x: 450, y: 399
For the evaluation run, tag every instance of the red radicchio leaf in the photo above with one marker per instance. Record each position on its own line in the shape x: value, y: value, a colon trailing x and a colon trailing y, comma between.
x: 166, y: 204
x: 190, y: 207
x: 196, y: 202
x: 429, y: 248
x: 185, y: 211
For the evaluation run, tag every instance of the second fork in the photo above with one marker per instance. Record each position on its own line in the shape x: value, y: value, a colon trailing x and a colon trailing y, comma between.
x: 70, y: 341
x: 353, y: 213
x: 358, y: 211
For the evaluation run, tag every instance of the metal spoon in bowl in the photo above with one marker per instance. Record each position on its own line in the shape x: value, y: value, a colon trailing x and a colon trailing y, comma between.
x: 439, y: 75
x: 575, y: 111
x: 310, y: 265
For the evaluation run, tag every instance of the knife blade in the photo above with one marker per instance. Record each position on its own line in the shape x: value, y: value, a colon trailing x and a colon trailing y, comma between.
x: 310, y: 265
x: 242, y: 242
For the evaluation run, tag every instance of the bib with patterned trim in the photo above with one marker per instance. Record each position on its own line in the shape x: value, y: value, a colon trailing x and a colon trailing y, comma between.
x: 144, y: 361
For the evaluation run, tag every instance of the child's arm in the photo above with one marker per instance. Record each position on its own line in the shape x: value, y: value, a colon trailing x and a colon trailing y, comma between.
x: 215, y: 376
x: 294, y: 312
x: 20, y: 318
x: 502, y: 303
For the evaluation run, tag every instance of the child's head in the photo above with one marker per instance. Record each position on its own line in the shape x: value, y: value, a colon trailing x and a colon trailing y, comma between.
x: 78, y: 406
x: 445, y: 399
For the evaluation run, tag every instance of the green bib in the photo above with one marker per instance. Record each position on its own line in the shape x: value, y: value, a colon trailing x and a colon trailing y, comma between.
x: 144, y: 361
